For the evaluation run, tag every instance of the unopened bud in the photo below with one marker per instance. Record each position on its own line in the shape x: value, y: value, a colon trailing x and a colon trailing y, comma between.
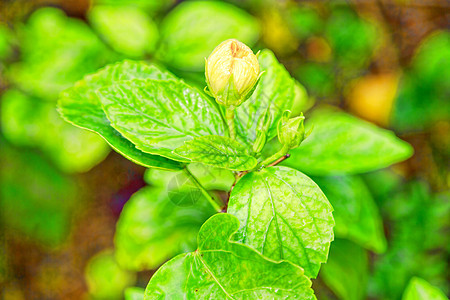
x: 232, y: 71
x: 291, y: 131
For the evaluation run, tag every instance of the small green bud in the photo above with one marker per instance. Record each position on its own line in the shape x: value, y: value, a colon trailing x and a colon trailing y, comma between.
x: 262, y: 128
x: 291, y: 131
x: 232, y: 71
x: 260, y: 141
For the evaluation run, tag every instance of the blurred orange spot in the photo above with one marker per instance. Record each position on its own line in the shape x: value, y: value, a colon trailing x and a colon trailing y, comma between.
x: 318, y: 49
x: 371, y: 97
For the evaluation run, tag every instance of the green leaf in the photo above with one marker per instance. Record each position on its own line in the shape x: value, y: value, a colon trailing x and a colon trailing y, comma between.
x: 218, y: 151
x: 127, y: 29
x: 211, y: 178
x: 420, y: 289
x: 80, y: 106
x: 346, y: 271
x: 37, y: 202
x: 285, y: 216
x: 159, y: 116
x: 223, y: 269
x: 341, y: 143
x: 105, y: 278
x: 56, y: 51
x: 31, y: 122
x: 157, y: 224
x: 210, y: 23
x: 355, y: 212
x: 276, y: 91
x: 134, y: 293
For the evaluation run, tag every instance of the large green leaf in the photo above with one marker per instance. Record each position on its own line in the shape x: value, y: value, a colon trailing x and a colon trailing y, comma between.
x: 159, y: 116
x: 218, y: 151
x: 285, y: 216
x: 341, y: 143
x: 210, y: 23
x: 127, y: 29
x: 37, y: 202
x: 419, y: 289
x: 29, y: 121
x: 223, y: 269
x: 80, y: 106
x: 56, y: 51
x: 276, y: 91
x: 355, y: 212
x: 156, y: 224
x: 346, y: 271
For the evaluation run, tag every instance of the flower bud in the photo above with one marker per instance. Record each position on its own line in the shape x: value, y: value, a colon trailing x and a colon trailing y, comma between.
x: 232, y: 71
x: 291, y: 132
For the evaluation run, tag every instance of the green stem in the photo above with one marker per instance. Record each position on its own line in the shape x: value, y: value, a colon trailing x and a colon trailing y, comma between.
x: 205, y: 193
x: 230, y: 122
x: 283, y: 151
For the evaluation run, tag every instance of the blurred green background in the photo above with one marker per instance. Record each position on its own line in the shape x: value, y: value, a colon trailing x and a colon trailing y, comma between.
x: 63, y: 189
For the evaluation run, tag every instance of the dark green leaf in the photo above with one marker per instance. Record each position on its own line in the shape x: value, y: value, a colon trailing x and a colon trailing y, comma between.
x: 419, y: 289
x: 218, y: 151
x: 346, y: 270
x: 157, y: 224
x: 210, y: 23
x: 222, y: 269
x: 285, y: 216
x: 355, y: 212
x: 127, y: 29
x: 159, y: 116
x: 81, y: 106
x: 341, y: 143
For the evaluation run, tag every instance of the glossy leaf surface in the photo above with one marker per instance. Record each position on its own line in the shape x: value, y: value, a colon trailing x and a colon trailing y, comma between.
x: 223, y: 269
x: 285, y: 216
x: 159, y: 116
x: 80, y: 106
x: 157, y: 224
x: 218, y: 151
x: 341, y: 143
x: 355, y: 212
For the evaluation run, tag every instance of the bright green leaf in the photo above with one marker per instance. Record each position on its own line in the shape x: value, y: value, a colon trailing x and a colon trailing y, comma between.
x: 276, y: 90
x: 346, y: 271
x: 29, y: 121
x: 218, y: 151
x: 134, y: 293
x: 127, y: 29
x: 419, y: 289
x: 210, y: 23
x: 355, y: 212
x: 211, y: 178
x: 222, y: 269
x: 154, y: 226
x: 285, y: 216
x: 159, y: 116
x: 106, y: 280
x: 80, y: 106
x: 341, y: 143
x: 56, y: 51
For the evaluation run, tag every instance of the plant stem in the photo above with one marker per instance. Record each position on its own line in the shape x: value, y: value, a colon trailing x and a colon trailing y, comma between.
x: 279, y: 156
x: 230, y: 122
x: 205, y: 193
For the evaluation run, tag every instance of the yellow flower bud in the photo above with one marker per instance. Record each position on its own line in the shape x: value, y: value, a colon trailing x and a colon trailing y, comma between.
x: 232, y: 71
